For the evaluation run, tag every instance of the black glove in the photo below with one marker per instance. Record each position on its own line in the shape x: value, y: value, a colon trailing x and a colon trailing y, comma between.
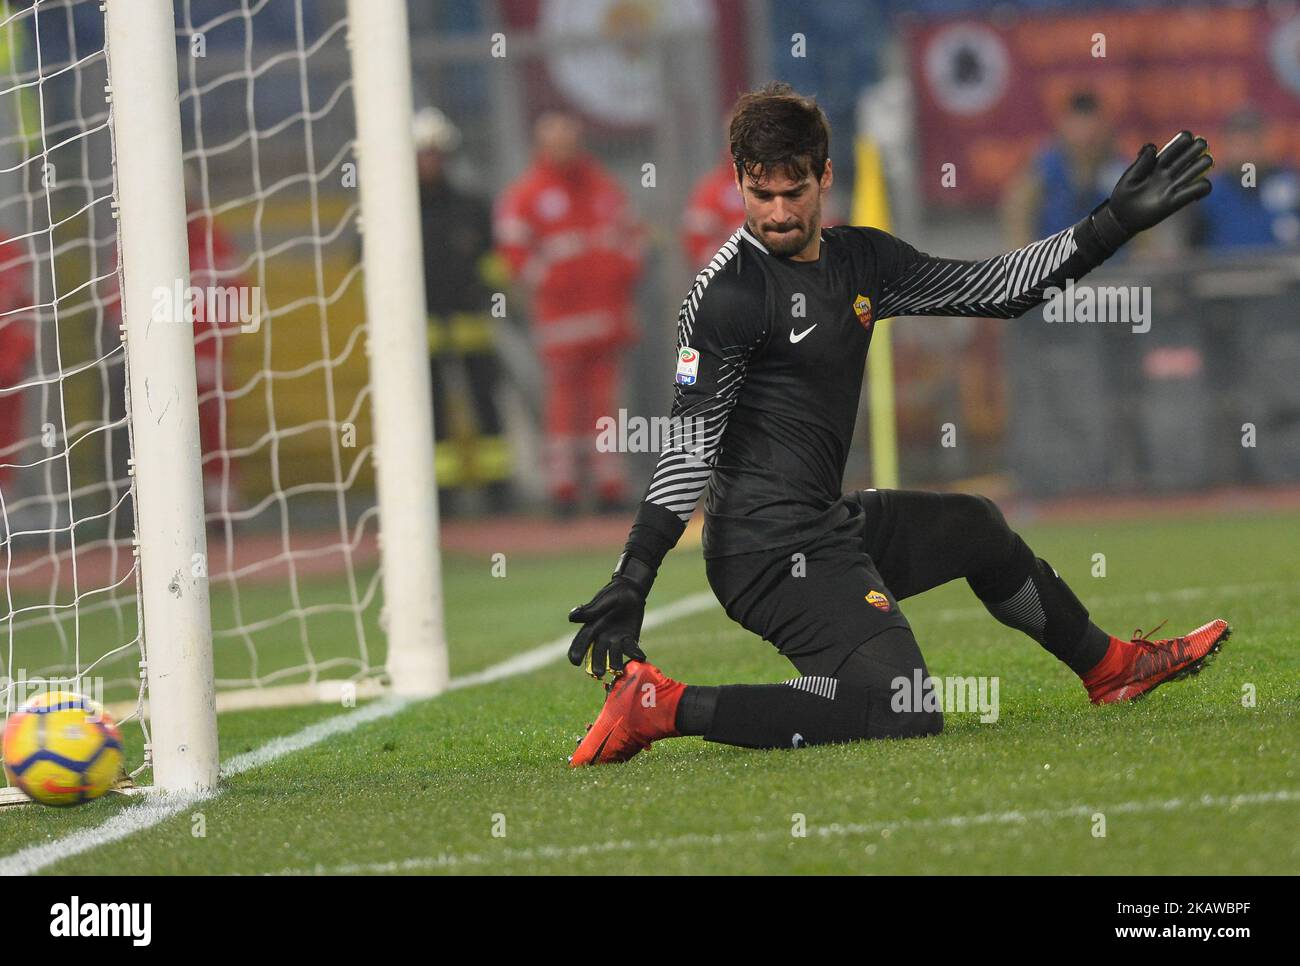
x: 612, y: 620
x: 1153, y: 188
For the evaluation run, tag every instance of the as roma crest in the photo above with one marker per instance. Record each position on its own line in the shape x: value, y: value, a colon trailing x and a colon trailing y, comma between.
x: 878, y: 600
x: 862, y: 309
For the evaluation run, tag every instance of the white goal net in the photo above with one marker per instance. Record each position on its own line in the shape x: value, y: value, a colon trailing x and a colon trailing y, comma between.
x: 268, y: 131
x: 70, y: 611
x: 284, y: 395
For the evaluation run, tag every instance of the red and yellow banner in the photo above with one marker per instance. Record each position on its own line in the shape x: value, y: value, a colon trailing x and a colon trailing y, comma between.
x: 989, y: 90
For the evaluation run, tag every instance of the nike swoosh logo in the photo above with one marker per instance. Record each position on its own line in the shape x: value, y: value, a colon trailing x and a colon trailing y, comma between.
x: 626, y: 682
x: 600, y: 749
x: 798, y: 337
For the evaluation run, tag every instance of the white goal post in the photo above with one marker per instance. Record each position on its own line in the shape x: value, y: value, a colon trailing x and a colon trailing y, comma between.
x: 162, y: 396
x: 390, y: 211
x: 177, y: 634
x: 266, y: 591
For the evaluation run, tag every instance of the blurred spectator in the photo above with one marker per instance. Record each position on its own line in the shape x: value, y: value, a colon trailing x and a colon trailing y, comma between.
x: 1264, y: 211
x: 213, y: 262
x: 714, y: 210
x: 1070, y: 177
x: 571, y: 240
x: 457, y: 233
x: 17, y: 346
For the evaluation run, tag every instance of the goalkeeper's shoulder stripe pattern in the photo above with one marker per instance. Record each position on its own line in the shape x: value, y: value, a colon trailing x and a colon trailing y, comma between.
x: 823, y: 687
x: 699, y: 419
x: 691, y: 304
x: 1005, y: 286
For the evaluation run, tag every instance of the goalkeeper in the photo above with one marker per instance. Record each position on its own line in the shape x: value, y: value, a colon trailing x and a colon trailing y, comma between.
x: 772, y: 341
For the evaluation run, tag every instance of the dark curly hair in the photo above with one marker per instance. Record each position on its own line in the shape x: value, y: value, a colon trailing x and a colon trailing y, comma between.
x: 776, y: 128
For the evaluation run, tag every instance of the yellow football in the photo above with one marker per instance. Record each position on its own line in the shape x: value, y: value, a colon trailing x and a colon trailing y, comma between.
x: 62, y: 749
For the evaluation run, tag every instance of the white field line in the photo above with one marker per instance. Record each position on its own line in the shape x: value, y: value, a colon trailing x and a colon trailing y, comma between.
x: 546, y: 653
x: 836, y: 830
x: 1150, y: 597
x: 158, y: 808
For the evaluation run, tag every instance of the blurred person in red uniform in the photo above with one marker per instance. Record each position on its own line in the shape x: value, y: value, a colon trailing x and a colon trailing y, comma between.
x: 17, y: 345
x: 213, y: 264
x: 713, y: 212
x: 571, y: 240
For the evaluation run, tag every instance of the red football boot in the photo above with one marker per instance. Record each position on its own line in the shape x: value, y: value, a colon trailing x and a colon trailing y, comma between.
x: 1133, y: 668
x: 640, y: 707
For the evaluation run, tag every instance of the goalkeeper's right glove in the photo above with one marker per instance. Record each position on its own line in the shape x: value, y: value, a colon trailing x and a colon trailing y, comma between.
x: 612, y: 620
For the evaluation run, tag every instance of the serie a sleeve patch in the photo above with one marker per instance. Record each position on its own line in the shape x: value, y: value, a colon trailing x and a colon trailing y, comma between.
x: 688, y: 366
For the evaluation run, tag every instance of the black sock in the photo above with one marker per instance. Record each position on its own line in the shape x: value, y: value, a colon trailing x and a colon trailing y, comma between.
x: 695, y: 710
x: 1091, y: 650
x: 858, y: 701
x: 806, y: 711
x: 1029, y: 595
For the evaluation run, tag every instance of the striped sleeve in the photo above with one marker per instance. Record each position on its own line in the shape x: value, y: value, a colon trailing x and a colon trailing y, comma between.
x: 720, y: 324
x: 1005, y: 286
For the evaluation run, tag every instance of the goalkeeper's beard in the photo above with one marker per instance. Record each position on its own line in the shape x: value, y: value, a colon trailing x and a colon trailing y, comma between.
x: 789, y: 243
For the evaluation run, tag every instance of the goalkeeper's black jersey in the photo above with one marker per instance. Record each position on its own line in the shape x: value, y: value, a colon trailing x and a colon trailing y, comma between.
x: 770, y: 361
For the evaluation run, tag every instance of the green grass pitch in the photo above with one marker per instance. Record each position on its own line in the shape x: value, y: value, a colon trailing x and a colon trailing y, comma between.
x: 1190, y: 780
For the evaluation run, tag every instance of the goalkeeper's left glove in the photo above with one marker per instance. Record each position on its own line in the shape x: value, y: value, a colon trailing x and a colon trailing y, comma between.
x: 612, y: 620
x: 1155, y: 186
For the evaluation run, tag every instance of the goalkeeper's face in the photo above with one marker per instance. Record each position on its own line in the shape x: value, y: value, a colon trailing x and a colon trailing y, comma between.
x: 785, y: 212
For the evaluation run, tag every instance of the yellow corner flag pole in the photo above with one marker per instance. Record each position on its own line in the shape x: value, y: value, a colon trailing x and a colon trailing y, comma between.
x: 871, y: 208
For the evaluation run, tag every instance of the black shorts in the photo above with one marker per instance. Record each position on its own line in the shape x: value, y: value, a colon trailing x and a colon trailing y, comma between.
x: 821, y: 599
x: 845, y: 588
